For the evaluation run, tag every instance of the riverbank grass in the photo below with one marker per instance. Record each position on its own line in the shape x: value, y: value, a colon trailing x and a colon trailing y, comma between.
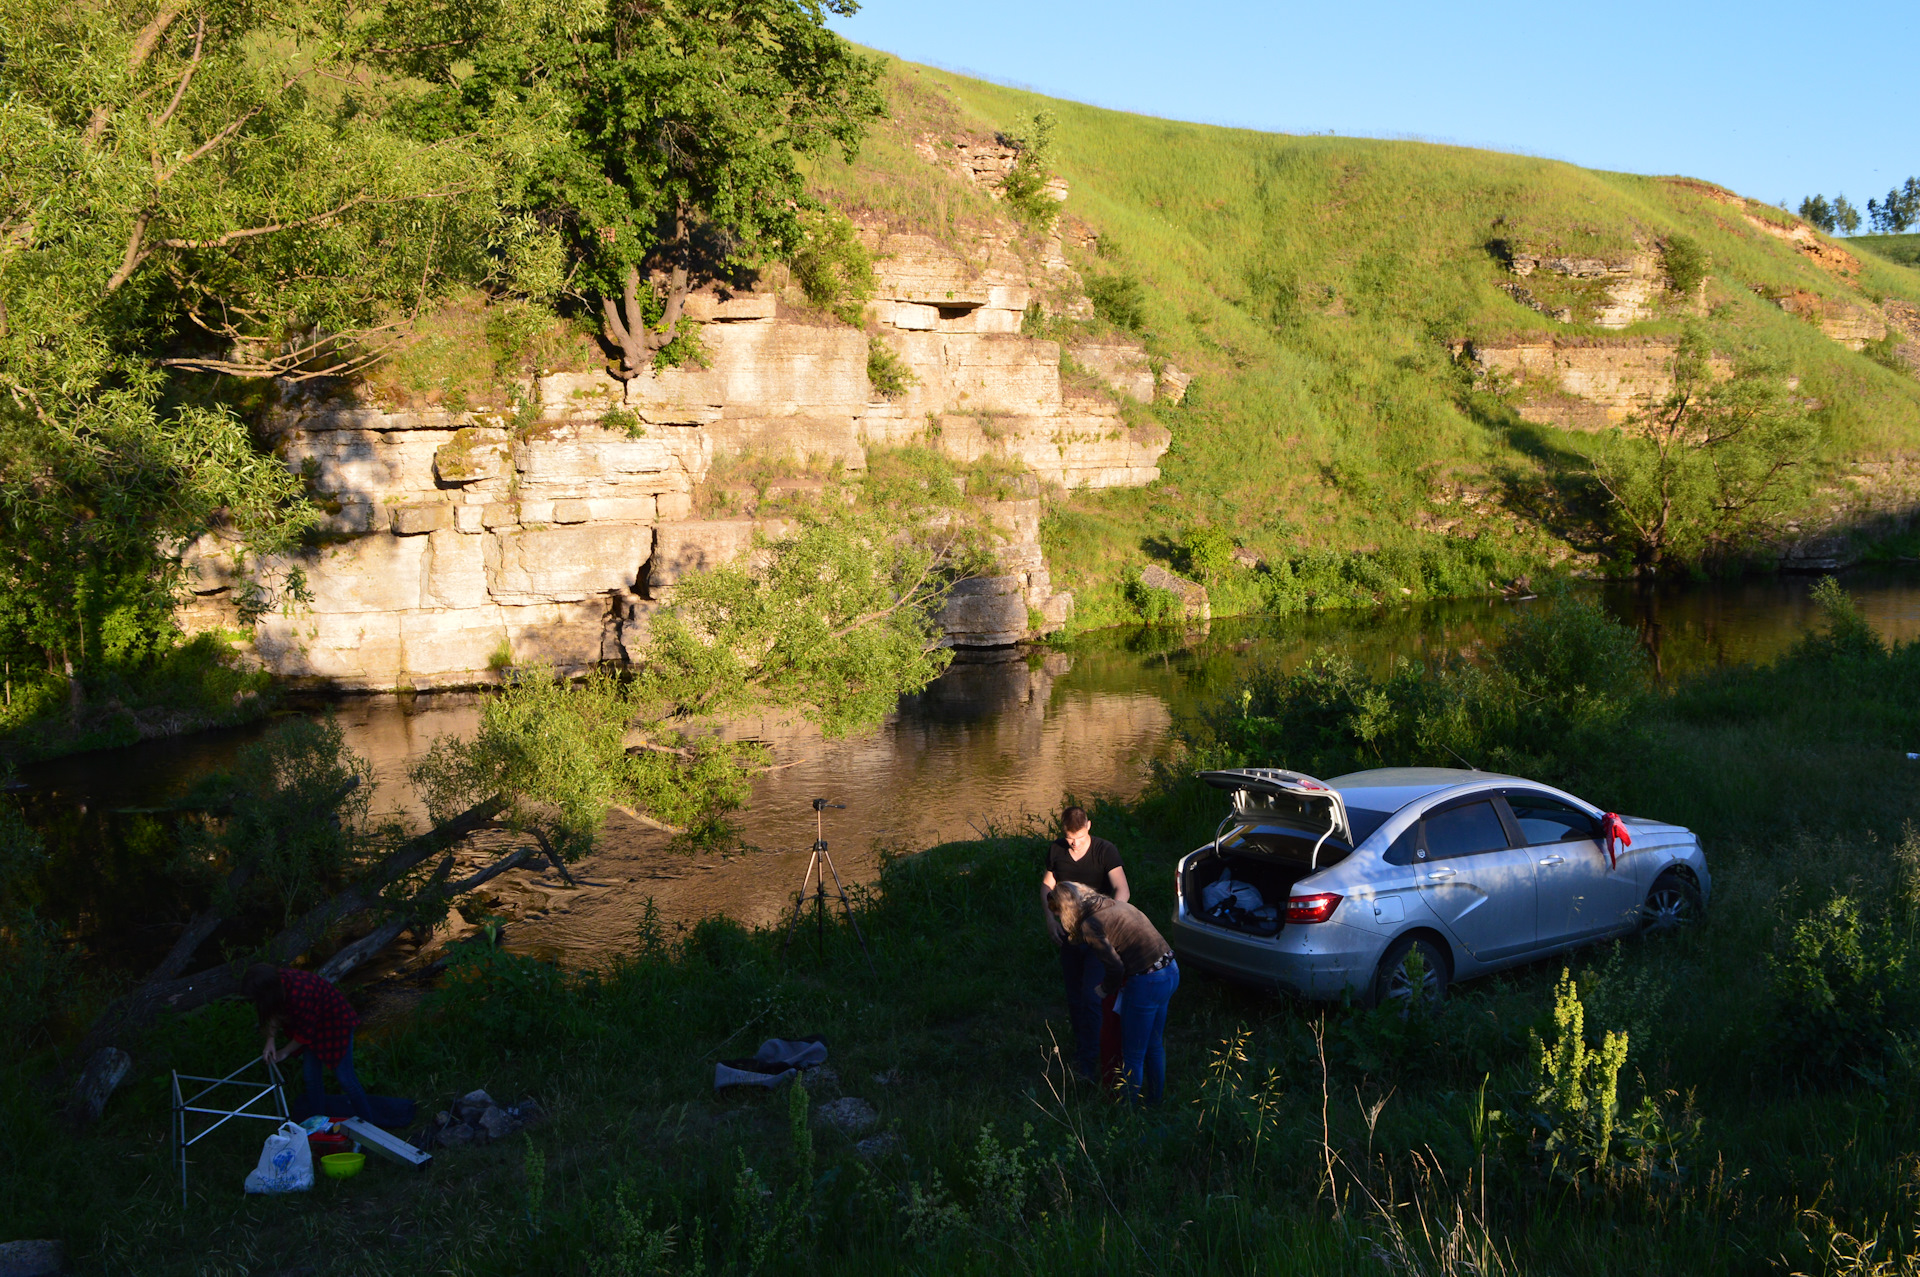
x: 1765, y: 1098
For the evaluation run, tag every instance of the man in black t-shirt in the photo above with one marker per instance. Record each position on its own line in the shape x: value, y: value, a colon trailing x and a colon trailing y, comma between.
x: 1077, y: 856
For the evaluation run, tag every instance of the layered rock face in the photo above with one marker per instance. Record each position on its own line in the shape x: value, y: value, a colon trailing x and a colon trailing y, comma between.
x: 1584, y: 385
x: 1628, y: 287
x: 466, y: 542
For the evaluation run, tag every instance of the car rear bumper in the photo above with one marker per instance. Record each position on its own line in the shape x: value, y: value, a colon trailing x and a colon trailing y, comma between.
x: 1323, y: 961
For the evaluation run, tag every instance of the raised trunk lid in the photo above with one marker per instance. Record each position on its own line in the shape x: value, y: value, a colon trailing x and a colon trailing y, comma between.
x: 1271, y: 796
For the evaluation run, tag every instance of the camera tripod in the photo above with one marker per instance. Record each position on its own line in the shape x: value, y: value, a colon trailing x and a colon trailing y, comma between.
x: 818, y: 867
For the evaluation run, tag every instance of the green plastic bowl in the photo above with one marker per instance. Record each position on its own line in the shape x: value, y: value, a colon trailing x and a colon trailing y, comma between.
x: 343, y: 1165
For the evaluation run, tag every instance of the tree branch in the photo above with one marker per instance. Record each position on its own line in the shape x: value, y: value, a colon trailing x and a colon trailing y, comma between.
x: 130, y: 262
x: 136, y: 57
x: 180, y: 90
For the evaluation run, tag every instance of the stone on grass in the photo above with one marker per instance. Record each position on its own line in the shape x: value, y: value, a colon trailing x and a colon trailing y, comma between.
x: 498, y: 1123
x: 875, y: 1147
x: 850, y: 1114
x: 32, y: 1258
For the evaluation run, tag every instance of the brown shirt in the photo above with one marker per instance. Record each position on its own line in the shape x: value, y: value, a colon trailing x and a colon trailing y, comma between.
x: 1124, y: 941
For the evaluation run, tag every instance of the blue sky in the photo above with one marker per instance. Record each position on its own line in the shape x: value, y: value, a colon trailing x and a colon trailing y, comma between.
x: 1775, y: 101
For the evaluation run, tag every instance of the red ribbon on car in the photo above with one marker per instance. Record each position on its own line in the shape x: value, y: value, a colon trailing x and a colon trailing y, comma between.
x: 1613, y: 831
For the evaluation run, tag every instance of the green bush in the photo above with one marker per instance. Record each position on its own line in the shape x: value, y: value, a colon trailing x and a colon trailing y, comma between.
x: 1685, y: 262
x: 35, y: 965
x: 887, y: 372
x: 1120, y: 300
x: 1843, y: 984
x: 1208, y: 552
x: 833, y: 268
x: 1025, y: 187
x: 1558, y: 690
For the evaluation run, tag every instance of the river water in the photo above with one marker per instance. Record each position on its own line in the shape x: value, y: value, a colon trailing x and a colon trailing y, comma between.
x: 1000, y: 739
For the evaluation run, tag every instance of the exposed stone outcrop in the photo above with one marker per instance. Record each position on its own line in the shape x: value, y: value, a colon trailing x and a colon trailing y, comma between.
x: 982, y: 162
x: 1192, y: 596
x: 1584, y: 385
x: 1629, y: 285
x: 1853, y: 326
x: 1822, y: 251
x: 467, y: 541
x: 1122, y: 365
x: 460, y: 542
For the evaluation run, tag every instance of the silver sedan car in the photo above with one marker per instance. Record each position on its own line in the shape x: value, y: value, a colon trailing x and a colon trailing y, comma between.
x: 1390, y: 884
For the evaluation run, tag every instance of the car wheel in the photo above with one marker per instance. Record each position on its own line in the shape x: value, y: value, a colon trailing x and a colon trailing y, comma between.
x: 1414, y: 968
x: 1673, y: 904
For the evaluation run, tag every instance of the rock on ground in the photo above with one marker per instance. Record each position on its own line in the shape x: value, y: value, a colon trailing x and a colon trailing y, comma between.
x: 850, y: 1114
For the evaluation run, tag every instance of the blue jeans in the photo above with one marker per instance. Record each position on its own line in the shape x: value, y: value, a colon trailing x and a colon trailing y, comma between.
x: 1143, y: 1022
x: 1083, y: 973
x: 349, y: 1082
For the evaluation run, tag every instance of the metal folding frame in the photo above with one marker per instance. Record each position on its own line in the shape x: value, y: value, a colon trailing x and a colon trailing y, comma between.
x: 274, y: 1087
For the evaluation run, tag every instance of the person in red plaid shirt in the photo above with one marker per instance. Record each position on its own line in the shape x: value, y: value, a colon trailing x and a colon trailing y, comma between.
x: 320, y: 1021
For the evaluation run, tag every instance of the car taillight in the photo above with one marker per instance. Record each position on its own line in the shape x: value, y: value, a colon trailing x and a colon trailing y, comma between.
x: 1314, y: 908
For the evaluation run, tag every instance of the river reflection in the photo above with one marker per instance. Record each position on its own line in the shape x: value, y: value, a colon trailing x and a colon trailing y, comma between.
x: 1000, y: 739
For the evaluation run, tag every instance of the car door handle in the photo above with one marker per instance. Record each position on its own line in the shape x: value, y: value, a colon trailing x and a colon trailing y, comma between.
x: 1439, y: 875
x: 1554, y: 860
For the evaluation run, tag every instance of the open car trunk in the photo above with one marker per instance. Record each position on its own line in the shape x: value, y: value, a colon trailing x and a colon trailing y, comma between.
x: 1243, y: 885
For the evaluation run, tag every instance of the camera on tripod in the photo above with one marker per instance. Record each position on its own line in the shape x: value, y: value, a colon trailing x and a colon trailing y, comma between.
x: 819, y: 865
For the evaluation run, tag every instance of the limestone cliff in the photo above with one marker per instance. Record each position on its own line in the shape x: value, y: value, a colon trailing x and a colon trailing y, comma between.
x: 461, y: 542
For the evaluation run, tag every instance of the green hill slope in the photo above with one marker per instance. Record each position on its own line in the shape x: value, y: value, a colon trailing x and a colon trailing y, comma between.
x: 1902, y: 250
x: 1323, y: 290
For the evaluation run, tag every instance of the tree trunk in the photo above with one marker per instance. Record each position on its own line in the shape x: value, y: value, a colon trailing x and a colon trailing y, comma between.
x: 624, y: 322
x: 124, y: 1019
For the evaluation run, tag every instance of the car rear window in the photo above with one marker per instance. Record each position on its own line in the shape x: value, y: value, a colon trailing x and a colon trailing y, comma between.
x: 1364, y: 822
x: 1466, y: 830
x: 1289, y: 844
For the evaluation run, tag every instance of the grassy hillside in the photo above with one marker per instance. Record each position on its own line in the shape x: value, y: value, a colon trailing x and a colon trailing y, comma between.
x: 1318, y: 286
x: 1903, y: 250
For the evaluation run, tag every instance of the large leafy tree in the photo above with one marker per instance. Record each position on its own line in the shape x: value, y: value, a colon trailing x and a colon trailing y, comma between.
x: 687, y: 123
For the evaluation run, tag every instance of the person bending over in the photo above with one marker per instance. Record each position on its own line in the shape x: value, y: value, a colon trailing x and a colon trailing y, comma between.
x: 1077, y: 856
x: 318, y: 1018
x: 1129, y: 950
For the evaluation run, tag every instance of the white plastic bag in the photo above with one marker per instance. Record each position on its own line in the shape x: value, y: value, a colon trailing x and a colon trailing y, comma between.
x: 286, y: 1163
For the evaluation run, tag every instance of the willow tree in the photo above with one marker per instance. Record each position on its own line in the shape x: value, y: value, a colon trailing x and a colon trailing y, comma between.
x: 1709, y: 471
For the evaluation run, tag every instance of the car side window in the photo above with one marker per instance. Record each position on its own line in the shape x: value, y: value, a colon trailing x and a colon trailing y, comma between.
x: 1466, y: 830
x: 1544, y: 820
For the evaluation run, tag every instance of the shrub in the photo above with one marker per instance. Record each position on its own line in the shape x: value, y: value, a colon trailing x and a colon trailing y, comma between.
x: 1208, y: 551
x: 1557, y: 690
x: 1577, y: 1089
x: 1120, y: 300
x: 1849, y: 635
x: 833, y: 268
x: 1842, y: 985
x: 1685, y: 262
x: 1025, y: 187
x: 888, y: 373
